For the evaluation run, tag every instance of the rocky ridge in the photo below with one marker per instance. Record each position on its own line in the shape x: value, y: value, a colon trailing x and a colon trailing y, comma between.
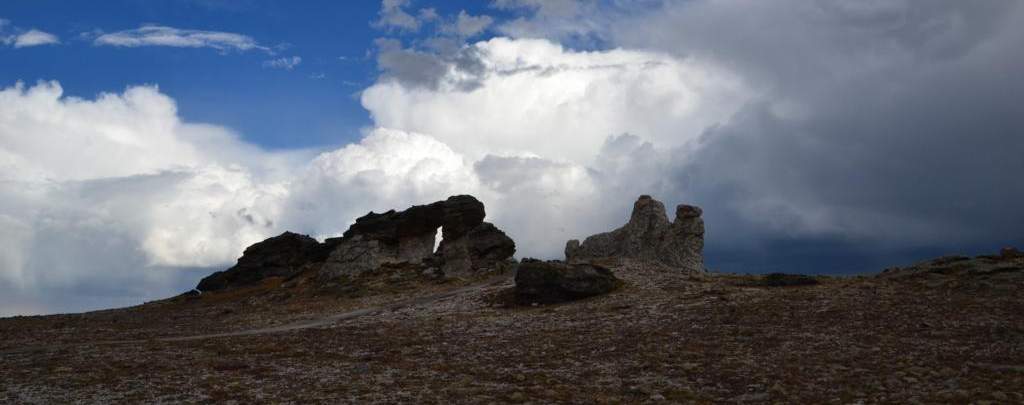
x: 1007, y: 267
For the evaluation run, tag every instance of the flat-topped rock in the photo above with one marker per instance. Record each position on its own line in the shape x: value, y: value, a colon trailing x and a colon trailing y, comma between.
x: 554, y: 281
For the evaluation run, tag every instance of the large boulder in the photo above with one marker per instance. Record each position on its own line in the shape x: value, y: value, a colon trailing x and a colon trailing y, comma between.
x: 649, y: 236
x: 553, y: 281
x: 484, y: 247
x: 280, y: 256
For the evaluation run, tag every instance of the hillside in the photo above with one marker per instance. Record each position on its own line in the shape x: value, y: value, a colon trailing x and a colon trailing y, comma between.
x: 944, y: 331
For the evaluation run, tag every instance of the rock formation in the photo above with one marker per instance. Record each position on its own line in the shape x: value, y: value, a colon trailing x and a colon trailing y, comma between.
x: 554, y: 281
x: 393, y: 238
x: 280, y: 256
x: 649, y: 236
x: 468, y: 244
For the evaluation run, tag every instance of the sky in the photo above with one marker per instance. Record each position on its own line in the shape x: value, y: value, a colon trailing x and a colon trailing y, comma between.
x: 145, y: 144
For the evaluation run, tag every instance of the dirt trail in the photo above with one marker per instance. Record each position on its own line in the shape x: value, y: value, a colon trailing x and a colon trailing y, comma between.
x: 306, y: 324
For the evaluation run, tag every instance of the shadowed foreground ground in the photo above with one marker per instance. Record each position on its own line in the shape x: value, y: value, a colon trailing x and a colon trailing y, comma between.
x: 664, y: 336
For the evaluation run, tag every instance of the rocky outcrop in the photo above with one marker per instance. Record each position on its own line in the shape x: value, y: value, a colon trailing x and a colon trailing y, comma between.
x: 468, y: 244
x: 401, y: 239
x: 649, y: 236
x: 553, y: 281
x: 280, y: 256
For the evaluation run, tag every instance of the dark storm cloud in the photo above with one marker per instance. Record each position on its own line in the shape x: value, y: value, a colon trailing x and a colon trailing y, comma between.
x: 895, y: 126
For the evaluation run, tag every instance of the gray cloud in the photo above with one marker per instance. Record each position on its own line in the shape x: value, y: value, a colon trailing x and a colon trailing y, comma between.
x: 466, y: 25
x: 890, y: 125
x: 430, y: 68
x: 392, y: 15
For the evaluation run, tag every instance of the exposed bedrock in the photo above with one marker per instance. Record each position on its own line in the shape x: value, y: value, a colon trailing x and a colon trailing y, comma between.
x: 280, y: 256
x: 649, y: 236
x: 468, y: 246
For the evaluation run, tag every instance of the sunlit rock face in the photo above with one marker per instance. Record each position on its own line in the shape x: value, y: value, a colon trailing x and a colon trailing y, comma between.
x: 649, y: 236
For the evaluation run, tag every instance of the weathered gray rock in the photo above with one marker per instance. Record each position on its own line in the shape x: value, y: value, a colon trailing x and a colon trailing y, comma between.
x: 649, y: 236
x: 468, y: 244
x: 280, y: 256
x: 553, y: 281
x: 398, y: 239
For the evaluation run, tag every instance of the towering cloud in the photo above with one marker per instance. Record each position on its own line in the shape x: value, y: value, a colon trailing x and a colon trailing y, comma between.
x: 534, y: 97
x: 99, y: 194
x: 810, y: 133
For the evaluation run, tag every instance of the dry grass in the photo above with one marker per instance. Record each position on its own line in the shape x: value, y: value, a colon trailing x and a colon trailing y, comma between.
x: 664, y: 336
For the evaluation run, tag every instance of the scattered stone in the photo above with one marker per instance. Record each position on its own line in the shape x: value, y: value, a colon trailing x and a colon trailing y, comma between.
x: 649, y: 236
x: 752, y: 397
x: 787, y: 280
x: 553, y: 281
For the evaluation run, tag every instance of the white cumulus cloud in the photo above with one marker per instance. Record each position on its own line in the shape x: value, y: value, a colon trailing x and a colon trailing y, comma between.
x: 97, y: 194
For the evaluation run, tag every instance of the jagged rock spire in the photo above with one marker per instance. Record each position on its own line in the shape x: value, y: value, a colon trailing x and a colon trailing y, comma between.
x: 649, y: 236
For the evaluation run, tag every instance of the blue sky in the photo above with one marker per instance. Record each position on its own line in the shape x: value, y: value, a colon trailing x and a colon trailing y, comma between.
x: 150, y: 142
x: 313, y: 105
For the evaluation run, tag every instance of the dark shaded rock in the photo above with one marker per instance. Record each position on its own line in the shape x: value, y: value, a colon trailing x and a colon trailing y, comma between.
x: 462, y: 213
x: 482, y: 247
x: 649, y: 236
x: 457, y: 215
x: 407, y: 237
x: 401, y: 240
x: 280, y: 256
x: 553, y: 281
x: 1007, y: 266
x: 1010, y: 253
